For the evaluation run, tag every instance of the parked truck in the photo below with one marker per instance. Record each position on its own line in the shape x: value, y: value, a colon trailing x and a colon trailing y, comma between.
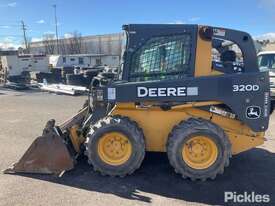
x: 266, y: 62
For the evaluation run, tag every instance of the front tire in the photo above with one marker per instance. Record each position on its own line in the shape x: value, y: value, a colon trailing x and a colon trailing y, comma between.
x: 115, y: 146
x: 198, y: 149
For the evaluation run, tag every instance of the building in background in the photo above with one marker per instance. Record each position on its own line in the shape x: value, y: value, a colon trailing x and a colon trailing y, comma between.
x: 109, y: 44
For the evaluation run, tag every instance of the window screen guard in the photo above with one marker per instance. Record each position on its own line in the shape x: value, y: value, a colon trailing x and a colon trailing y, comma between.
x: 163, y: 57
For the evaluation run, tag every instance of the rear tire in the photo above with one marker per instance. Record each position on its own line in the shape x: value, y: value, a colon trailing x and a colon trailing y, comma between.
x: 115, y: 146
x: 192, y: 138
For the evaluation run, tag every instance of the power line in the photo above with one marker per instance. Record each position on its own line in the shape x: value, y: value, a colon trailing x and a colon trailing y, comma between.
x: 10, y: 25
x: 12, y: 35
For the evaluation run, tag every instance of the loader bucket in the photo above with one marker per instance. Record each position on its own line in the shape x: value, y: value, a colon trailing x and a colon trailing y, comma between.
x: 48, y: 154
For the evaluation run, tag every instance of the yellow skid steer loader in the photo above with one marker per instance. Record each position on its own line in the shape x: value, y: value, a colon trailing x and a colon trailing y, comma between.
x: 194, y: 92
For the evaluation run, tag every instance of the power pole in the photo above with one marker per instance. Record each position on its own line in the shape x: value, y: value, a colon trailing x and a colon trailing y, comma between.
x: 24, y: 33
x: 56, y: 32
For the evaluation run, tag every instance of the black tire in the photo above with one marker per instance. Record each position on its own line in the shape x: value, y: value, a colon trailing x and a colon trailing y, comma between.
x: 195, y: 127
x: 116, y: 124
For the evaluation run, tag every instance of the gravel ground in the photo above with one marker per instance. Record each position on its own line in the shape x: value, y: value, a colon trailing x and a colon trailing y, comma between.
x: 22, y: 118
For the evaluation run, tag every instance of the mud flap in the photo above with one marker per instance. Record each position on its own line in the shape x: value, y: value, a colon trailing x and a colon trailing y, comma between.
x: 48, y: 154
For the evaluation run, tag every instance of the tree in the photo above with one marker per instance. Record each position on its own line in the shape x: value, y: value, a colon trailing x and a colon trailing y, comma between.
x: 75, y: 43
x: 49, y: 43
x: 63, y: 46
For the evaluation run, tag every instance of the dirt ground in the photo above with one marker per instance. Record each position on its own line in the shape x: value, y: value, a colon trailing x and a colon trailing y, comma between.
x: 22, y: 118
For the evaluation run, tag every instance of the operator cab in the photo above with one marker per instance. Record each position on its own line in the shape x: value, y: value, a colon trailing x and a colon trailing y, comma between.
x: 170, y: 52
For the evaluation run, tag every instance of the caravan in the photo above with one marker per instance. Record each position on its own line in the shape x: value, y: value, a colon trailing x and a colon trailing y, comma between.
x: 83, y: 60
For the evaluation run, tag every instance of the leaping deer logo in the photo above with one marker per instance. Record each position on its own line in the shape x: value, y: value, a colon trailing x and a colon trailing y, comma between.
x: 253, y: 112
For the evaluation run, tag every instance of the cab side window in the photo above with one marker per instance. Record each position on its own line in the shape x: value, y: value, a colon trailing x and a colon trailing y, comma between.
x: 165, y: 57
x: 227, y: 57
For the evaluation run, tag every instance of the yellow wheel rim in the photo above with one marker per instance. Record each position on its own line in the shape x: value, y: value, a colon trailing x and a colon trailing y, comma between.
x: 114, y: 148
x: 200, y: 152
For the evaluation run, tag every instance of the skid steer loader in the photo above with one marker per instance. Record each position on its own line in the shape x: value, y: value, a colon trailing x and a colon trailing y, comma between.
x: 182, y: 89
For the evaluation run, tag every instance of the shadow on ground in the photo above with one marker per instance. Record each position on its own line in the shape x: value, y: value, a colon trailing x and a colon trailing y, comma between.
x: 250, y: 171
x: 20, y: 92
x: 24, y: 92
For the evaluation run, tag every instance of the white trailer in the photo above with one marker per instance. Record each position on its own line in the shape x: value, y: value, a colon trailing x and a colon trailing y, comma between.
x: 14, y: 65
x: 84, y: 60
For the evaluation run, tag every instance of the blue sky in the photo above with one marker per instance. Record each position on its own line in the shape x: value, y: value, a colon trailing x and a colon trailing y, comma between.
x: 102, y: 16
